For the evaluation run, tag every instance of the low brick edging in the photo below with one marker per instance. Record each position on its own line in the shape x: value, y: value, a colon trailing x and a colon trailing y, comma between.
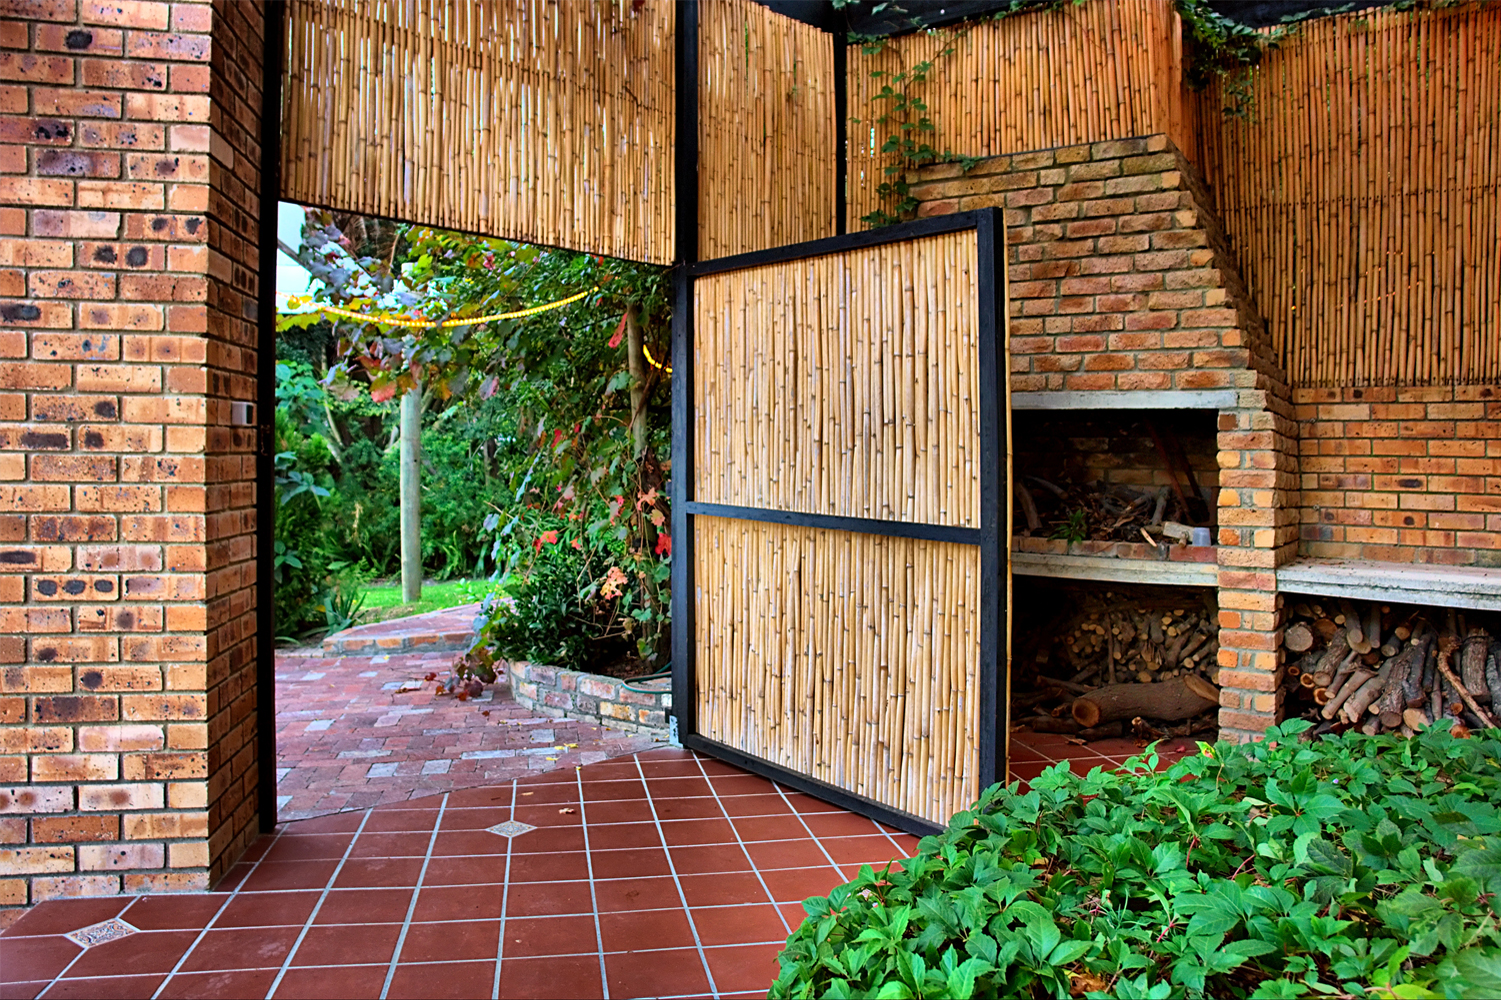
x: 574, y: 694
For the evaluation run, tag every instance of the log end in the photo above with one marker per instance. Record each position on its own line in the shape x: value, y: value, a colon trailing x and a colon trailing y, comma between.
x: 1086, y: 713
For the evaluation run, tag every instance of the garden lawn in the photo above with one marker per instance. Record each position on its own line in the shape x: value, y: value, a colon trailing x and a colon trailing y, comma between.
x: 383, y: 601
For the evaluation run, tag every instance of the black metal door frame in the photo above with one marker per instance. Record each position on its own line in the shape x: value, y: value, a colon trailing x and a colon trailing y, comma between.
x: 990, y: 536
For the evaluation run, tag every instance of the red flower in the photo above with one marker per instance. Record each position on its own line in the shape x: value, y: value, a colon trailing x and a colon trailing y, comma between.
x: 619, y: 332
x: 550, y: 537
x: 664, y: 544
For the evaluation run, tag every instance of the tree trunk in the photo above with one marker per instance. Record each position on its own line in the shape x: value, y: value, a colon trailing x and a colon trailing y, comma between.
x: 411, y: 503
x: 1171, y: 700
x: 635, y: 358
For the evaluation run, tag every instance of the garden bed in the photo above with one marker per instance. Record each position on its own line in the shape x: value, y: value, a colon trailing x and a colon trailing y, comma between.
x: 635, y: 706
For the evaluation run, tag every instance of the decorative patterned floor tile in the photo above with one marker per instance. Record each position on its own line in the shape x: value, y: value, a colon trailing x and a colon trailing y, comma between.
x: 107, y: 930
x: 511, y: 828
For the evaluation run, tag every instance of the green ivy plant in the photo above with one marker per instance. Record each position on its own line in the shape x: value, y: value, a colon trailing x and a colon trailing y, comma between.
x: 1352, y: 866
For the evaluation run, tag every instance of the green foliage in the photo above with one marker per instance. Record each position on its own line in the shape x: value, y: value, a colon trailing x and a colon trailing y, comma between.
x: 1348, y: 866
x: 1075, y: 528
x: 298, y: 563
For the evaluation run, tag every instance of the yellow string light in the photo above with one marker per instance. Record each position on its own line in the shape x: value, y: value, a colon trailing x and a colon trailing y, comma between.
x: 647, y: 351
x: 389, y: 320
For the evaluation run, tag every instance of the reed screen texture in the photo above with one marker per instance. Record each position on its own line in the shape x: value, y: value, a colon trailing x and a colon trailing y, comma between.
x: 844, y: 385
x: 530, y: 120
x: 1085, y: 73
x: 1363, y: 196
x: 767, y: 139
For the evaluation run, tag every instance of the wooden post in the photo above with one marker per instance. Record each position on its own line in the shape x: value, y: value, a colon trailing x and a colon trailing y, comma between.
x: 636, y: 362
x: 411, y: 501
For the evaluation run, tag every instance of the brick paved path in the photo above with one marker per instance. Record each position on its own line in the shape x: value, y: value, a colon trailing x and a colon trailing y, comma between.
x: 354, y: 732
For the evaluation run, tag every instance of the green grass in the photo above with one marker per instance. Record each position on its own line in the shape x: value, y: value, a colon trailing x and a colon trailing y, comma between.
x: 383, y: 600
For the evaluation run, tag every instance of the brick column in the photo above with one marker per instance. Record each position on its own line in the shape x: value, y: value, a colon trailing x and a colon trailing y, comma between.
x: 128, y: 210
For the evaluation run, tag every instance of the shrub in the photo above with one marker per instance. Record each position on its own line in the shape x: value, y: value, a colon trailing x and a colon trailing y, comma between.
x: 1350, y: 866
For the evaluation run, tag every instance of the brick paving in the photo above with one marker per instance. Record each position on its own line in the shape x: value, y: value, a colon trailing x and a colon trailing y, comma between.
x: 445, y: 629
x: 354, y: 732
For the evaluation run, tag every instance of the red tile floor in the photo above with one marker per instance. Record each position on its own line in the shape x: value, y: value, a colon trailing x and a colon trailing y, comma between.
x: 662, y: 874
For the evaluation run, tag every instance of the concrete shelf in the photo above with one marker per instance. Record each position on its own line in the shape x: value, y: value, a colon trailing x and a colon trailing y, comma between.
x: 1398, y: 583
x: 1145, y: 399
x: 1112, y: 569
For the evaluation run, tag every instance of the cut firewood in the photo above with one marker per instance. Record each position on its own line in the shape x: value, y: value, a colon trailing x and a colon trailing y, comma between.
x: 1416, y: 719
x: 1298, y: 637
x: 1472, y: 657
x: 1325, y: 628
x: 1357, y: 679
x: 1446, y: 647
x: 1173, y: 700
x: 1028, y: 506
x: 1354, y: 628
x: 1334, y: 654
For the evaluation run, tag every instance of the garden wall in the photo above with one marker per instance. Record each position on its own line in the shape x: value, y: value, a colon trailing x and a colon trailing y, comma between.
x: 129, y: 201
x: 573, y: 694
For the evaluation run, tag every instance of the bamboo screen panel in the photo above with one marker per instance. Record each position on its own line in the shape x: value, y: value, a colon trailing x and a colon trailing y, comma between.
x: 767, y: 139
x: 531, y: 120
x: 1085, y: 73
x: 844, y: 384
x: 1364, y: 196
x: 850, y: 658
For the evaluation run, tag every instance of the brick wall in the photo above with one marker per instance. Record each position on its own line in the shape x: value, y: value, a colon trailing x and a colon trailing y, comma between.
x: 127, y: 268
x: 1410, y: 475
x: 573, y: 694
x: 1120, y: 279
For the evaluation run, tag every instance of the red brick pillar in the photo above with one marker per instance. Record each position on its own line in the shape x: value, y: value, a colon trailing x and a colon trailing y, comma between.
x: 128, y: 208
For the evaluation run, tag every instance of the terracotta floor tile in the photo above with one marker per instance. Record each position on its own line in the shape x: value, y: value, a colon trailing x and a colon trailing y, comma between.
x: 403, y: 821
x: 793, y: 885
x: 364, y: 906
x: 356, y: 982
x: 495, y: 795
x: 808, y: 804
x: 392, y: 845
x: 787, y: 826
x: 681, y: 767
x: 538, y: 936
x: 456, y: 820
x: 702, y: 859
x: 471, y: 870
x: 24, y: 991
x: 347, y: 822
x: 27, y: 958
x: 620, y: 811
x: 459, y: 843
x: 211, y: 985
x: 871, y: 850
x: 722, y: 890
x: 536, y: 795
x: 549, y: 867
x: 267, y: 909
x: 141, y: 954
x: 452, y: 979
x: 309, y: 847
x: 383, y: 872
x: 747, y: 964
x: 289, y: 875
x: 612, y: 791
x: 738, y: 925
x: 755, y: 805
x: 233, y: 879
x: 786, y: 854
x: 550, y: 816
x: 620, y: 836
x: 655, y: 973
x: 794, y: 914
x: 551, y: 839
x: 700, y: 807
x: 627, y: 894
x: 241, y: 948
x: 735, y: 783
x: 107, y: 988
x: 451, y: 942
x: 614, y: 770
x: 540, y: 899
x: 458, y: 902
x: 551, y: 978
x: 632, y: 862
x: 841, y: 824
x: 347, y: 944
x: 678, y: 788
x: 641, y: 930
x: 176, y: 912
x: 63, y: 916
x: 698, y: 831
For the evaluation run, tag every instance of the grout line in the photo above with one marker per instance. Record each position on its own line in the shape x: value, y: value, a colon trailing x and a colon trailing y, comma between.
x: 84, y: 951
x: 406, y: 924
x: 811, y: 835
x: 323, y: 896
x: 505, y: 898
x: 677, y: 882
x: 743, y: 849
x: 599, y: 939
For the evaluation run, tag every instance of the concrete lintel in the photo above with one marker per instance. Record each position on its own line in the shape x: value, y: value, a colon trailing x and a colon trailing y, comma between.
x: 1398, y: 583
x: 1108, y: 570
x: 1144, y: 399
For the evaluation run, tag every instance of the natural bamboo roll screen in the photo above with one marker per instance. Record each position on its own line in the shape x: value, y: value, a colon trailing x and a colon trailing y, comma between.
x: 532, y: 120
x: 1363, y: 196
x: 1086, y: 73
x: 850, y: 658
x: 767, y: 141
x: 844, y: 384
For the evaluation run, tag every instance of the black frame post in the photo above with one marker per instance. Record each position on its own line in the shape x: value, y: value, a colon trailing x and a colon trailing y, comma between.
x: 989, y: 537
x: 273, y: 58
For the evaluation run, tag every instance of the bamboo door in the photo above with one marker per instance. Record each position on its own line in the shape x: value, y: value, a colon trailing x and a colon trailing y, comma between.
x: 839, y: 472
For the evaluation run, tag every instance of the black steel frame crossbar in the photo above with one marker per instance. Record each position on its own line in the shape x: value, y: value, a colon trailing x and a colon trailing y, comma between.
x: 990, y: 537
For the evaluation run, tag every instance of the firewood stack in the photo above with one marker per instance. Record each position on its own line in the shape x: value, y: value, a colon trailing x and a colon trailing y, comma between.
x: 1142, y: 663
x: 1097, y: 512
x: 1368, y: 666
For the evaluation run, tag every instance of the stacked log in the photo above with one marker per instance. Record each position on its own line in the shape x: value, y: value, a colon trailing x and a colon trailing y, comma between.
x: 1379, y: 669
x: 1143, y: 661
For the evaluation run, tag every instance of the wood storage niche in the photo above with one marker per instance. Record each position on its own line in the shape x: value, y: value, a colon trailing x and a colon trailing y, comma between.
x: 839, y: 463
